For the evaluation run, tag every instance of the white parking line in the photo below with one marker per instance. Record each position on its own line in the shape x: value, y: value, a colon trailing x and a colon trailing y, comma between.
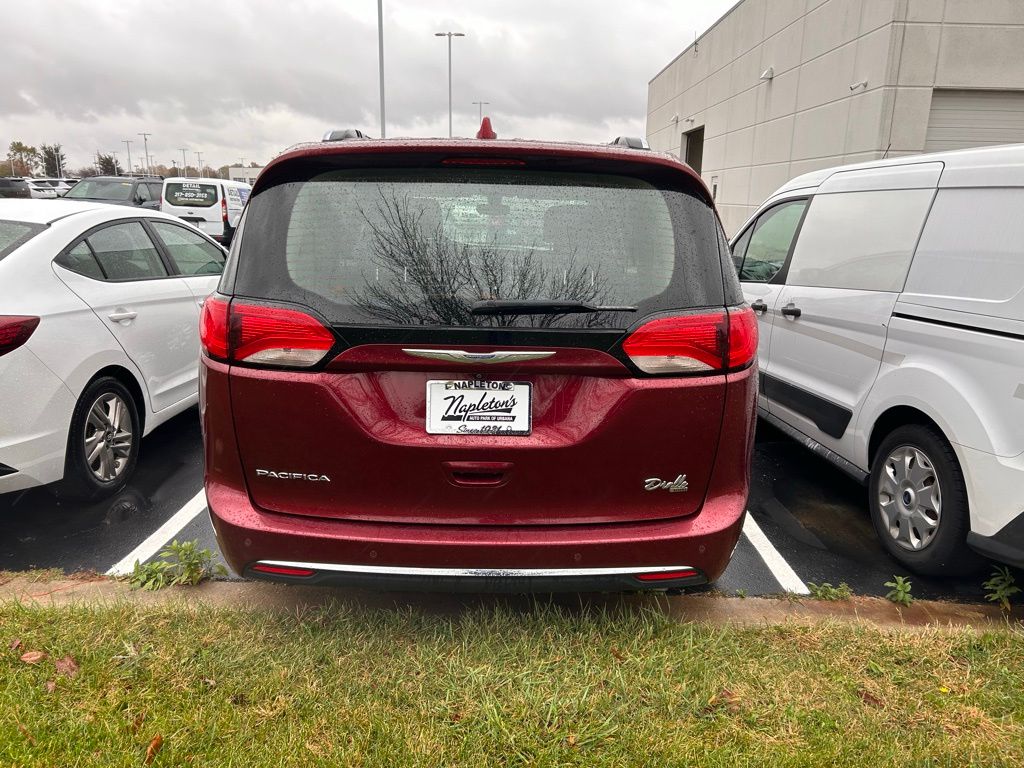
x: 161, y: 535
x: 776, y: 563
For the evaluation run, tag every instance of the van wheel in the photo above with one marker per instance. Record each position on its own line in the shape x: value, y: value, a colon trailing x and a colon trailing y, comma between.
x: 919, y: 504
x: 103, y: 442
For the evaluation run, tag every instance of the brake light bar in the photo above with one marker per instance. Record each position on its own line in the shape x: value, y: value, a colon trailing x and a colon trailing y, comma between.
x: 714, y: 342
x: 15, y: 330
x: 485, y: 162
x: 238, y: 332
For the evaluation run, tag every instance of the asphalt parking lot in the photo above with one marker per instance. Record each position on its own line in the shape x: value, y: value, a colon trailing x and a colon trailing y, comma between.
x: 807, y: 522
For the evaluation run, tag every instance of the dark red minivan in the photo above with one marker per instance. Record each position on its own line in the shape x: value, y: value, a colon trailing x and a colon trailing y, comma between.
x: 478, y: 365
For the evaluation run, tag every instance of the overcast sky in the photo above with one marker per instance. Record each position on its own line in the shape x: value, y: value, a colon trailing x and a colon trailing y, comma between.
x: 247, y: 78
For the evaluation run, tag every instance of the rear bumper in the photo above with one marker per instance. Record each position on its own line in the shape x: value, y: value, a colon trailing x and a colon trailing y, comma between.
x: 476, y: 558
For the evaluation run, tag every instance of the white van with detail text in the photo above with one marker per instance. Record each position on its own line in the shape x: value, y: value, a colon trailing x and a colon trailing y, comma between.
x: 211, y: 205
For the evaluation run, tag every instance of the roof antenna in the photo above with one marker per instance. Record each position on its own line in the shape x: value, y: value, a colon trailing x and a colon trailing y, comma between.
x: 884, y: 154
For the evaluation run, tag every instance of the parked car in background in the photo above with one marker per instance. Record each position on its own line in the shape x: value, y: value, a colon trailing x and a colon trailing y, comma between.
x: 890, y: 298
x: 459, y: 364
x: 211, y: 205
x: 99, y: 309
x: 141, y: 191
x: 40, y: 189
x: 59, y: 185
x: 14, y: 187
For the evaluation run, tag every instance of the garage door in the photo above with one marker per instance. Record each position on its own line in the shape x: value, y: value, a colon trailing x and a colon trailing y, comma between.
x: 961, y: 119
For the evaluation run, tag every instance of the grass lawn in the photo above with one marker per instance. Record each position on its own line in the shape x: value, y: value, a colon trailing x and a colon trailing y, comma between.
x: 496, y: 685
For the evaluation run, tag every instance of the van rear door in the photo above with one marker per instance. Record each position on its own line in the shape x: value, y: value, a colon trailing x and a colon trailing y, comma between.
x: 196, y: 201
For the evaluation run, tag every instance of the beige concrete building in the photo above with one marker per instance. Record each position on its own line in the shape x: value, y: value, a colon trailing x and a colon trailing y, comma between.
x: 777, y: 88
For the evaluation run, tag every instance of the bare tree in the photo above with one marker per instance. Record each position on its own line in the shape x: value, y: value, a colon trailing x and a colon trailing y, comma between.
x: 422, y: 276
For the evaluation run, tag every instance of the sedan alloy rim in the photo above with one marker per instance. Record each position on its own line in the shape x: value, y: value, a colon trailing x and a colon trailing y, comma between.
x: 910, y: 498
x: 108, y: 437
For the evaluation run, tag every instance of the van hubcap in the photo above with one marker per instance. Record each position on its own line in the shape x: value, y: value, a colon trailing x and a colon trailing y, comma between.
x: 909, y: 498
x: 108, y: 437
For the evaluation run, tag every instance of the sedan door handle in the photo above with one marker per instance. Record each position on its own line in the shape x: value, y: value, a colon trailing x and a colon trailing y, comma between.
x: 791, y: 310
x: 759, y: 306
x: 122, y: 315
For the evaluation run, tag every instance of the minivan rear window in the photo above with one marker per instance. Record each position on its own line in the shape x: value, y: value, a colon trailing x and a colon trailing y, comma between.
x: 419, y: 247
x: 190, y: 194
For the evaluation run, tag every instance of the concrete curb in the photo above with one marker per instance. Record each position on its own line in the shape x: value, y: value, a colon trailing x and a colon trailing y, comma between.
x: 704, y: 608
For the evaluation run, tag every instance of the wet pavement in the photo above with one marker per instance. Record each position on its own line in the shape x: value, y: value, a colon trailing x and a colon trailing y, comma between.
x: 811, y: 522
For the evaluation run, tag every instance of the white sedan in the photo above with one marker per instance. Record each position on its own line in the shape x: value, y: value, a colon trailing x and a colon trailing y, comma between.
x: 99, y: 314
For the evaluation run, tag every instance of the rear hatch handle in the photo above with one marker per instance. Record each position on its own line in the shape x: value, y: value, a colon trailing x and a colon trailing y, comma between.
x: 462, y: 356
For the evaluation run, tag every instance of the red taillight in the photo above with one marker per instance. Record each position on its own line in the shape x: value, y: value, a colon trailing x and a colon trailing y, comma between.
x: 224, y: 209
x: 683, y: 573
x: 15, y: 330
x: 703, y: 343
x: 213, y: 327
x: 282, y: 570
x: 249, y: 333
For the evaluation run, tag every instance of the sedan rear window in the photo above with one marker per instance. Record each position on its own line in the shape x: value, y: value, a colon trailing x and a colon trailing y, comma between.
x: 14, y: 234
x: 420, y: 247
x: 190, y: 194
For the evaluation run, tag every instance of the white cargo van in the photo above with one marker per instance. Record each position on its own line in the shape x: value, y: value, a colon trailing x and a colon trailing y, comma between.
x: 890, y: 298
x: 212, y: 205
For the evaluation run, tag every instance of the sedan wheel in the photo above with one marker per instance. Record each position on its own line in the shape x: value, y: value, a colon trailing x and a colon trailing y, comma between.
x: 103, y: 441
x: 108, y: 437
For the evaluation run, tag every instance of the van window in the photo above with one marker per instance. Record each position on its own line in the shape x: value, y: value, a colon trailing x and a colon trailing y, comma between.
x: 190, y: 193
x: 419, y: 247
x: 859, y: 240
x: 972, y: 246
x: 770, y: 242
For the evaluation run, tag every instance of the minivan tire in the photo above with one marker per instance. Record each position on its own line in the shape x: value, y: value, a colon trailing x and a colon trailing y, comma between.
x: 81, y: 481
x: 947, y: 552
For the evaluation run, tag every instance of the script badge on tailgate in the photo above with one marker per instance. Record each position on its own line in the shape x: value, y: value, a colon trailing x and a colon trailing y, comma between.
x: 672, y: 486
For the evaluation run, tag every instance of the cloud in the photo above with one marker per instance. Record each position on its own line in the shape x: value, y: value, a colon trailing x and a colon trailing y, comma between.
x: 247, y: 79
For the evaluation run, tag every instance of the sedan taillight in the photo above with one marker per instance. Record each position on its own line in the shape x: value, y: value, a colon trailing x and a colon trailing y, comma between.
x: 238, y: 332
x: 15, y: 330
x: 713, y: 342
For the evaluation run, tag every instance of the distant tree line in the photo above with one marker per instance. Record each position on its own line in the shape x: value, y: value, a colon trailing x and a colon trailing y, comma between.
x: 49, y: 160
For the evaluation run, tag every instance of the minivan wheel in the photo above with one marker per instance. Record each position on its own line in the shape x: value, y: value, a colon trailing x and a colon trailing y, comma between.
x: 103, y: 442
x: 919, y: 504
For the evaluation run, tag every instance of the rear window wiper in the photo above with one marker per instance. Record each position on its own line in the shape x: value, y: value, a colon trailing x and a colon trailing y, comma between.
x: 539, y: 307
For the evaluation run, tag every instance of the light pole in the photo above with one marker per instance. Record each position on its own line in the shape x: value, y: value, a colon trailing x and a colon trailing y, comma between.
x: 184, y: 162
x: 380, y: 55
x: 481, y: 105
x: 145, y: 145
x: 128, y: 144
x: 199, y: 163
x: 449, y: 35
x: 117, y: 170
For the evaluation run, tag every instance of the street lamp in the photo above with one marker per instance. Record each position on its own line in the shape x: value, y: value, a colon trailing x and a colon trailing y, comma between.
x: 449, y: 35
x: 380, y: 55
x: 199, y: 163
x: 184, y: 162
x: 128, y: 144
x: 145, y: 145
x: 481, y: 105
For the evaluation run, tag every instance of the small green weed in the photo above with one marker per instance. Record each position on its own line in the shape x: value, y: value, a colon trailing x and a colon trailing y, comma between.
x: 183, y: 563
x: 826, y: 591
x: 899, y: 591
x: 742, y: 593
x: 1001, y: 587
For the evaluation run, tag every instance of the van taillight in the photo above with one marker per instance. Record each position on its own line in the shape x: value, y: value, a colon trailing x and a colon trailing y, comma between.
x: 702, y: 343
x: 224, y: 209
x: 15, y: 330
x: 237, y: 332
